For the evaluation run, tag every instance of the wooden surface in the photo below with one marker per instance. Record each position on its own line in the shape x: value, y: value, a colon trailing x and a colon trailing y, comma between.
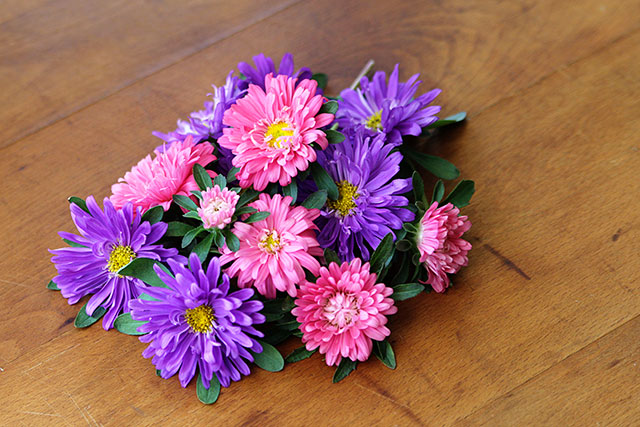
x: 542, y: 328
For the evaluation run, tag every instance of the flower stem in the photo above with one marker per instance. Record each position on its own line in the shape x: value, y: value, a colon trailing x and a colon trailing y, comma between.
x: 365, y: 70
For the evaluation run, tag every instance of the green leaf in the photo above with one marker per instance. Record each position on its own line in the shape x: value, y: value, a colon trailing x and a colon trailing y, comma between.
x: 159, y: 373
x: 78, y: 201
x: 185, y: 202
x: 331, y: 256
x: 125, y: 324
x: 208, y: 395
x: 456, y: 118
x: 177, y: 229
x: 383, y: 254
x: 438, y: 192
x: 436, y: 165
x: 384, y: 352
x: 203, y: 179
x: 245, y: 210
x: 142, y: 268
x: 73, y: 244
x: 190, y: 235
x: 406, y: 291
x: 248, y: 195
x: 231, y: 176
x: 333, y: 136
x: 233, y: 243
x: 316, y: 200
x: 192, y: 215
x: 153, y: 215
x: 197, y: 193
x: 269, y: 359
x: 461, y: 195
x: 409, y: 227
x: 418, y: 186
x: 258, y: 216
x: 345, y: 367
x: 329, y: 107
x: 83, y: 320
x: 324, y: 181
x: 291, y: 190
x: 218, y: 238
x: 220, y: 181
x: 403, y: 245
x: 52, y: 285
x: 202, y: 249
x: 322, y: 80
x: 299, y: 354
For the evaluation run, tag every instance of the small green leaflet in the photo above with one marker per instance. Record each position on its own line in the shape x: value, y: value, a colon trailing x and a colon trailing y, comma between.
x: 333, y: 136
x: 258, y: 216
x: 73, y: 244
x: 220, y: 181
x: 245, y: 197
x: 345, y: 367
x: 322, y: 80
x: 331, y: 256
x: 202, y: 249
x: 233, y: 243
x: 406, y: 291
x: 190, y: 235
x: 153, y: 215
x: 436, y: 165
x: 52, y: 285
x: 384, y: 352
x: 269, y: 359
x: 438, y: 192
x: 456, y: 118
x: 177, y: 229
x: 231, y: 176
x: 461, y: 195
x: 78, y: 201
x: 208, y: 395
x: 142, y: 268
x: 203, y: 179
x: 125, y: 324
x: 299, y: 354
x: 329, y: 107
x: 418, y: 186
x: 315, y: 200
x: 383, y: 254
x: 324, y: 181
x: 185, y: 202
x: 291, y: 190
x: 83, y: 320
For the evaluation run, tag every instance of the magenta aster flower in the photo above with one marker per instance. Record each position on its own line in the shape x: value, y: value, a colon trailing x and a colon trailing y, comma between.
x: 274, y: 251
x: 196, y: 322
x: 442, y: 250
x: 388, y: 108
x: 217, y: 207
x: 110, y: 240
x: 154, y: 182
x: 265, y: 66
x: 343, y: 311
x: 271, y: 131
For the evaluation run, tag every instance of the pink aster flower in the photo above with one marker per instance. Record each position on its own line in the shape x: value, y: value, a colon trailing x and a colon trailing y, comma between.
x: 154, y: 182
x: 344, y: 311
x: 273, y: 251
x: 270, y: 131
x: 217, y: 207
x: 442, y: 250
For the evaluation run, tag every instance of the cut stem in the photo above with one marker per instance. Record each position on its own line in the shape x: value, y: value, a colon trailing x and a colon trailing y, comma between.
x: 365, y: 70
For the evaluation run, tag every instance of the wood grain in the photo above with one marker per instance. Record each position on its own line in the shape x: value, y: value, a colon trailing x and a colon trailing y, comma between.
x: 59, y: 56
x: 553, y: 92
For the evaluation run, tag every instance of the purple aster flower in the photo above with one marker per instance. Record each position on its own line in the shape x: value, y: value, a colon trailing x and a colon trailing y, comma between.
x: 388, y: 108
x: 110, y: 240
x: 265, y: 65
x: 196, y: 322
x: 370, y: 204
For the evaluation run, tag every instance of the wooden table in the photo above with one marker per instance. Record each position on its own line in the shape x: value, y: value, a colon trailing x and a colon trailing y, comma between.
x: 541, y: 328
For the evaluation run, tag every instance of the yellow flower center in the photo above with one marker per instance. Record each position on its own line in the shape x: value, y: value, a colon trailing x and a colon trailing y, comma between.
x: 275, y: 132
x: 119, y: 257
x: 200, y: 318
x: 375, y: 121
x: 347, y: 194
x: 270, y: 242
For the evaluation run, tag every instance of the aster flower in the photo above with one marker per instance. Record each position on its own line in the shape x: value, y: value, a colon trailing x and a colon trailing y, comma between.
x: 110, y: 240
x: 274, y: 251
x: 271, y: 131
x: 387, y: 108
x: 343, y: 311
x: 370, y: 204
x: 265, y: 66
x: 196, y: 322
x: 442, y: 250
x: 217, y: 207
x: 207, y: 123
x: 154, y: 182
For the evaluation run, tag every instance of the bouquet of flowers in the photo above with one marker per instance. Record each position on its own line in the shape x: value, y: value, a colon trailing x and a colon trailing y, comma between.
x: 275, y: 211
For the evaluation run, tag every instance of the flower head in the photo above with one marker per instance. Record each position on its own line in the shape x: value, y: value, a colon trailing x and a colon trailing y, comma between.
x: 154, y: 182
x: 343, y: 311
x: 442, y: 250
x: 274, y: 251
x: 370, y: 204
x: 217, y: 207
x: 265, y: 66
x: 207, y: 123
x: 110, y: 240
x: 196, y: 322
x: 271, y: 131
x: 388, y: 108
